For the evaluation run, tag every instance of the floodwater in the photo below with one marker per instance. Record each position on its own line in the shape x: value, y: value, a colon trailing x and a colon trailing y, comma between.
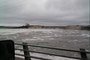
x: 60, y: 38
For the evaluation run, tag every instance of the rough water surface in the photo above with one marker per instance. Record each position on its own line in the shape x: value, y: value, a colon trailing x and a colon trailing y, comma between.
x: 59, y: 38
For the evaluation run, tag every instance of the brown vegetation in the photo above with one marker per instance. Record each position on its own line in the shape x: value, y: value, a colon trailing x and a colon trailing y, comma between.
x: 79, y: 27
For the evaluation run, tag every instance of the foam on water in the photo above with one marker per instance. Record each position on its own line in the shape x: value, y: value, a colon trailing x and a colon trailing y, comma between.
x: 44, y: 56
x: 55, y: 37
x: 86, y: 35
x: 11, y: 31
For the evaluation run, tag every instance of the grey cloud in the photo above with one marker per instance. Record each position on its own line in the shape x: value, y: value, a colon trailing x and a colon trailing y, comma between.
x: 45, y: 12
x: 68, y: 5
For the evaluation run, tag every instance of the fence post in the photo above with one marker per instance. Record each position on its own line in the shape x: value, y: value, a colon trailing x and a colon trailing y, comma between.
x: 83, y: 54
x: 26, y: 52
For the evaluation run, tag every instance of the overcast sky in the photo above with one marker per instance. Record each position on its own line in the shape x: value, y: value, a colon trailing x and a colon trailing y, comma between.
x: 44, y: 12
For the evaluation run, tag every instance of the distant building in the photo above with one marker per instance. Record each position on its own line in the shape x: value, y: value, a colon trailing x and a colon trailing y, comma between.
x: 36, y: 26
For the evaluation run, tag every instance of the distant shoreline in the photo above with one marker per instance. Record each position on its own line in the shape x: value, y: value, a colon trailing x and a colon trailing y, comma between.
x: 74, y: 27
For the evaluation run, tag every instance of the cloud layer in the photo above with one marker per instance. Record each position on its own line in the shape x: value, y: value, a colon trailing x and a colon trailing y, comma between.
x: 44, y: 12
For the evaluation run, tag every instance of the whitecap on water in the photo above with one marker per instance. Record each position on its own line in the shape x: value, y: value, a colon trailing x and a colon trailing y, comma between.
x: 44, y: 56
x: 86, y: 35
